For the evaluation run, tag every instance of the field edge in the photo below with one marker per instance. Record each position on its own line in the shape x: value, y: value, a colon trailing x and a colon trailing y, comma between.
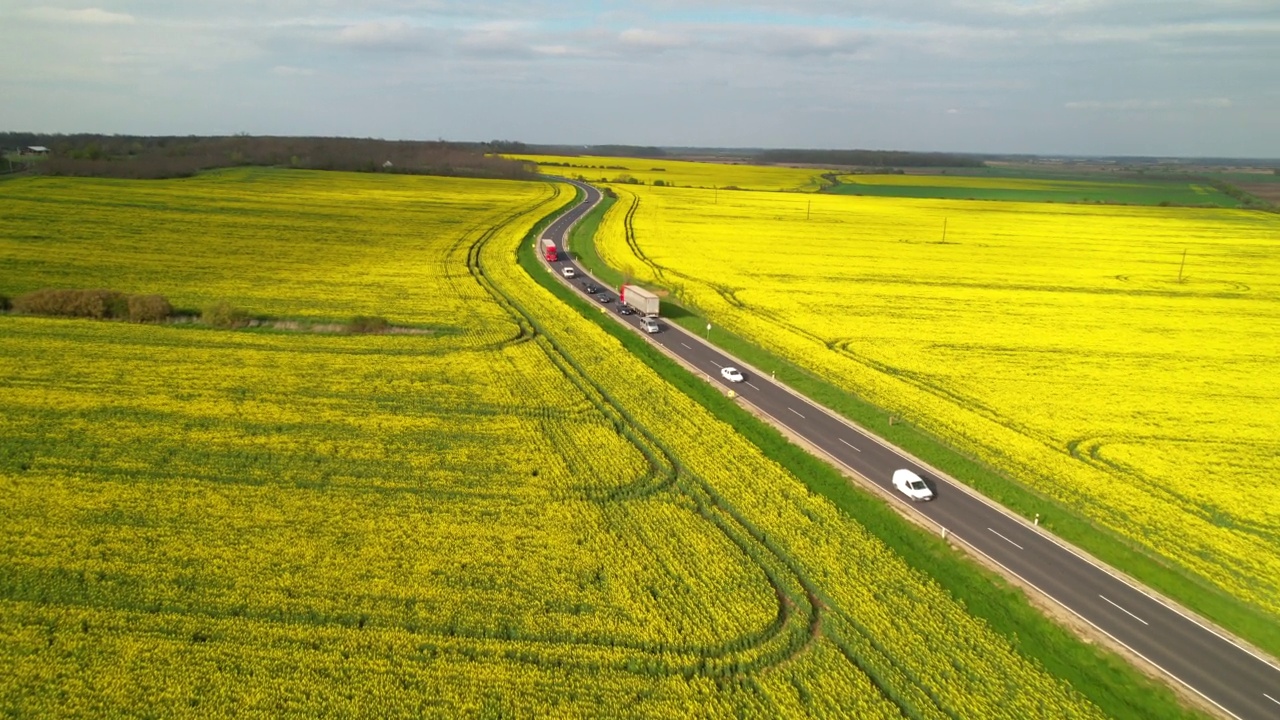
x: 1127, y: 693
x: 1244, y: 621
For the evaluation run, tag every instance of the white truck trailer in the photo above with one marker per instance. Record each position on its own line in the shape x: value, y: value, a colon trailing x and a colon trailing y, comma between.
x: 644, y: 302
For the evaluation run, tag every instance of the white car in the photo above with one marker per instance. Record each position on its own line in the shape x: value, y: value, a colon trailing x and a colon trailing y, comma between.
x: 569, y: 272
x: 731, y: 374
x: 911, y: 485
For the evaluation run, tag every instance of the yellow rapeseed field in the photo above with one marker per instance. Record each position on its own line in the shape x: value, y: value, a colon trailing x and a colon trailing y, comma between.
x: 680, y: 173
x: 508, y: 516
x: 1055, y: 342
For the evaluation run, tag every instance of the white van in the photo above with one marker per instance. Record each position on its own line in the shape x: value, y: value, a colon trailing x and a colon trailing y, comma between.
x: 569, y: 272
x: 911, y: 485
x: 649, y: 325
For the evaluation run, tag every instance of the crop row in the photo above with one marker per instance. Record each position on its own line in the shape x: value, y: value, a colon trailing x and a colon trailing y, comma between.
x: 507, y: 516
x: 1054, y: 343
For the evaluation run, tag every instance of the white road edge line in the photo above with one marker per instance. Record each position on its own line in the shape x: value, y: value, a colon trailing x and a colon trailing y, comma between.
x: 1126, y: 612
x: 846, y: 442
x: 801, y: 416
x: 1097, y: 627
x: 1030, y: 584
x: 753, y: 386
x: 1114, y: 573
x: 1002, y: 537
x: 1271, y: 698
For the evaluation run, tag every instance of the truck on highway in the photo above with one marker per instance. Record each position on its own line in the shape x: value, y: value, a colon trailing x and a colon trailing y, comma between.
x: 644, y: 302
x: 549, y: 250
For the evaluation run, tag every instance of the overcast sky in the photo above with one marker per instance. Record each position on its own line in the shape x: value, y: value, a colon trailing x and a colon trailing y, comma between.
x: 1136, y: 77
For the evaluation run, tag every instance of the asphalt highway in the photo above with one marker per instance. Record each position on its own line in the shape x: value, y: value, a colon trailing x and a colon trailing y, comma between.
x: 1237, y: 681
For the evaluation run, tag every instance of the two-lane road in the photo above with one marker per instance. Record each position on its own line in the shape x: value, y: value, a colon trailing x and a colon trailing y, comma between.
x: 1234, y: 679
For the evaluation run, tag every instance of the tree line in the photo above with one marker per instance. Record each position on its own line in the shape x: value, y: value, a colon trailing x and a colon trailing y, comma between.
x: 136, y: 156
x: 870, y: 158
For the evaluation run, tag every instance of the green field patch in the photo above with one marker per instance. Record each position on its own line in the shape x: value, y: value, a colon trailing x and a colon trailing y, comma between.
x: 967, y: 187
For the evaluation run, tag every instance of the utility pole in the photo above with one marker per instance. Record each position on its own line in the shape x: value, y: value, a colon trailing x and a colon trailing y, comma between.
x: 717, y: 196
x: 944, y: 229
x: 807, y: 208
x: 1183, y: 265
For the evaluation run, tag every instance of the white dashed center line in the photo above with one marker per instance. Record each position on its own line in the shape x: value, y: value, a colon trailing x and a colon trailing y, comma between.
x: 1126, y: 612
x: 1271, y: 698
x: 801, y: 416
x: 846, y: 442
x: 753, y: 386
x: 1010, y: 541
x: 687, y: 345
x: 713, y: 362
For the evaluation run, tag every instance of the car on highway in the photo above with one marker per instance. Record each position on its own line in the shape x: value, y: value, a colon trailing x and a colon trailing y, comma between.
x: 591, y: 288
x: 649, y: 325
x: 625, y: 310
x: 570, y: 272
x: 731, y: 374
x: 911, y: 485
x: 603, y: 298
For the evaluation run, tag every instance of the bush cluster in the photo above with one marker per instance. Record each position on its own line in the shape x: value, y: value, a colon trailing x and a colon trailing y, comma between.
x: 149, y: 308
x: 223, y: 315
x: 368, y: 325
x: 93, y: 304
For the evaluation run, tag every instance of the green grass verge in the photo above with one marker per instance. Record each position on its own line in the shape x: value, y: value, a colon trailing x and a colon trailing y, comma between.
x: 1237, y: 616
x: 1153, y: 193
x: 1106, y: 679
x: 582, y: 244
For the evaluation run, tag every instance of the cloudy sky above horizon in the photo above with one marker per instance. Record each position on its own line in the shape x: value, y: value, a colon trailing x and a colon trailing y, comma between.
x: 1115, y: 77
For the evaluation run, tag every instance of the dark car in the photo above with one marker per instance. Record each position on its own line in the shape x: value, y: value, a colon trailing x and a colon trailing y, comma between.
x: 626, y: 310
x: 591, y: 289
x: 603, y: 298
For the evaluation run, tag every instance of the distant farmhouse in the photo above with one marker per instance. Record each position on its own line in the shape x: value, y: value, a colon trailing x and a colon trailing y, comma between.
x: 33, y: 150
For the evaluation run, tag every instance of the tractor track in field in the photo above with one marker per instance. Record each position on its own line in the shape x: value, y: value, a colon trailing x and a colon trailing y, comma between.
x: 1203, y: 662
x: 788, y: 633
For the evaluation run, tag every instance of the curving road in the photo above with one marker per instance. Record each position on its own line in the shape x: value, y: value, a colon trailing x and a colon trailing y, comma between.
x: 1237, y: 681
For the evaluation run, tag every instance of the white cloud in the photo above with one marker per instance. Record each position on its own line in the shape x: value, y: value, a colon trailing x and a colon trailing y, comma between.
x: 1041, y: 9
x: 1149, y: 104
x: 502, y: 39
x: 797, y: 42
x: 651, y: 39
x: 380, y: 35
x: 84, y: 16
x: 558, y: 51
x: 1127, y: 104
x: 752, y: 72
x: 291, y: 71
